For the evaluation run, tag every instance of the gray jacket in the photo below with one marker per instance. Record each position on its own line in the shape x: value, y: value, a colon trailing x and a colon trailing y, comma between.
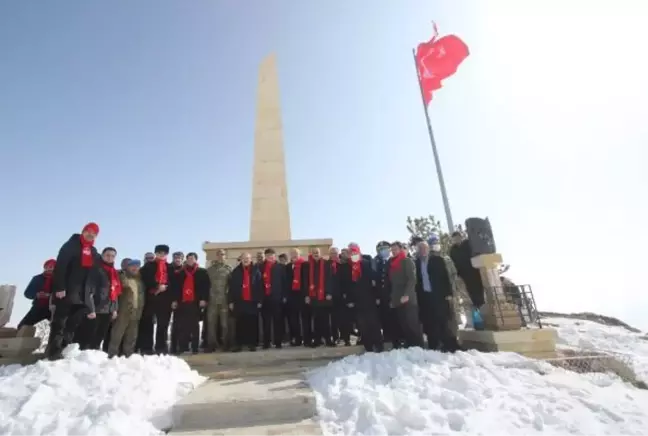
x: 102, y: 301
x: 403, y: 282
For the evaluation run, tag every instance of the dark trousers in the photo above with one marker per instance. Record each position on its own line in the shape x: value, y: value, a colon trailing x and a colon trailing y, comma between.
x: 435, y: 315
x: 247, y: 326
x: 295, y: 305
x: 92, y: 332
x: 106, y: 340
x: 203, y: 332
x: 145, y: 330
x: 322, y: 325
x: 306, y: 315
x: 174, y: 334
x: 345, y: 317
x: 407, y: 317
x: 368, y: 320
x: 65, y: 321
x: 272, y: 322
x: 188, y: 316
x: 36, y: 314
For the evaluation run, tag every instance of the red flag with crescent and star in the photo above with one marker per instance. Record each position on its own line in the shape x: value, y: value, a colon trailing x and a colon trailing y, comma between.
x: 438, y: 59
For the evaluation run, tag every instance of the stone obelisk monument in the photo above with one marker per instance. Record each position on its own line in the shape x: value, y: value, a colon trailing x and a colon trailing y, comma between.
x: 270, y: 214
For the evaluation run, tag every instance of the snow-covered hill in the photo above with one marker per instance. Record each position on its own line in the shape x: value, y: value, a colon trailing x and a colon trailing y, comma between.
x: 416, y: 392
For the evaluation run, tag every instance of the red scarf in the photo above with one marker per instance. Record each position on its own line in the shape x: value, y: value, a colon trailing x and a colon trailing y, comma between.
x: 245, y: 289
x: 161, y: 272
x: 47, y: 289
x: 115, y: 283
x: 311, y: 279
x: 356, y: 270
x: 86, y: 253
x: 189, y: 286
x: 395, y: 262
x: 334, y: 265
x: 267, y: 276
x: 297, y: 265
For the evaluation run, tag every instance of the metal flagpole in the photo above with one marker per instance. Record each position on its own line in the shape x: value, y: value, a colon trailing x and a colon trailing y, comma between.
x: 437, y: 161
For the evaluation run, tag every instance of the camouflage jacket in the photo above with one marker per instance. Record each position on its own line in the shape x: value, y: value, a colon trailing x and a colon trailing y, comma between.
x: 219, y: 274
x: 132, y: 298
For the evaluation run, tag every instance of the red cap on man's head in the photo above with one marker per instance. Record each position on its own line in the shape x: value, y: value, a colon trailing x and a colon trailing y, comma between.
x: 91, y: 227
x: 49, y: 263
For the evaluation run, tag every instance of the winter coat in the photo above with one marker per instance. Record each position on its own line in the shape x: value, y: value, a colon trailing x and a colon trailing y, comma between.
x: 277, y: 282
x: 383, y: 284
x: 148, y: 273
x: 133, y: 296
x: 71, y: 277
x: 219, y: 274
x: 289, y: 292
x: 235, y: 294
x: 330, y: 284
x: 360, y: 293
x: 102, y: 285
x: 36, y: 285
x: 202, y: 285
x: 403, y: 282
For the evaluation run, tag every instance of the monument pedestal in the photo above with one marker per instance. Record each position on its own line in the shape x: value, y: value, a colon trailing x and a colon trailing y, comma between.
x: 235, y: 249
x: 532, y: 343
x: 498, y: 313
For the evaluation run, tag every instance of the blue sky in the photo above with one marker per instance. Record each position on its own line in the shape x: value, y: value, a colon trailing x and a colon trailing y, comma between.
x: 140, y: 116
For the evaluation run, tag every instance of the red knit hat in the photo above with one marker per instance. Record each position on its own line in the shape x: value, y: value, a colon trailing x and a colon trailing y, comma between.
x: 91, y: 227
x: 49, y: 263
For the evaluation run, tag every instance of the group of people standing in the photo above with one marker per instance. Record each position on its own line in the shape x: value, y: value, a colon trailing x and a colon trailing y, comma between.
x: 308, y: 301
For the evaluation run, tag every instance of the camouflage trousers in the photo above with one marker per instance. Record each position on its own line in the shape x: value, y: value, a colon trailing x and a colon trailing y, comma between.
x: 123, y: 329
x: 218, y: 315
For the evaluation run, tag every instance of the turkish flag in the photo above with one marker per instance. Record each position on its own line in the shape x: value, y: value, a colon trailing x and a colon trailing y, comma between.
x: 438, y: 59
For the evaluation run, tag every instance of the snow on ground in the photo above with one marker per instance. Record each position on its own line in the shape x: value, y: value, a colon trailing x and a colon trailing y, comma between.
x: 581, y: 334
x: 417, y: 392
x: 87, y: 393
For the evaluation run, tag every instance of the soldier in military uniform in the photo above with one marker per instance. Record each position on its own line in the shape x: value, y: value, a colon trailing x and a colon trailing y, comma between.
x: 388, y: 319
x: 217, y: 312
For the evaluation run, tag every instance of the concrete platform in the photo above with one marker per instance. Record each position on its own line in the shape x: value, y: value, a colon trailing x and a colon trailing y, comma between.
x: 533, y: 343
x: 306, y: 427
x: 246, y: 406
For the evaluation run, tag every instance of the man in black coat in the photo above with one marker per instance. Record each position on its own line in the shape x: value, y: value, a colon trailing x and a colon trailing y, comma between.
x: 357, y: 284
x: 321, y: 288
x: 294, y: 293
x: 72, y: 286
x: 244, y: 296
x: 178, y: 264
x: 156, y: 276
x: 273, y: 276
x: 190, y: 293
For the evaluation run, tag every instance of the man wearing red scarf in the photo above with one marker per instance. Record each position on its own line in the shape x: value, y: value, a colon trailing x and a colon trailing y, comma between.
x: 357, y: 284
x: 295, y: 306
x: 244, y: 301
x: 320, y: 293
x: 39, y: 290
x: 402, y: 276
x: 273, y: 278
x: 73, y: 288
x: 190, y: 294
x: 156, y: 277
x: 178, y: 265
x: 107, y: 288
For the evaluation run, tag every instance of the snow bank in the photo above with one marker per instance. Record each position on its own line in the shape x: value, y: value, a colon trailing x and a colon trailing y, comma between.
x: 581, y: 334
x: 87, y: 393
x: 418, y: 392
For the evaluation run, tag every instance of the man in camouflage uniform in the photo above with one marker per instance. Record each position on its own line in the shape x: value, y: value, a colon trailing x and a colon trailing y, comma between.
x: 217, y: 311
x: 131, y: 305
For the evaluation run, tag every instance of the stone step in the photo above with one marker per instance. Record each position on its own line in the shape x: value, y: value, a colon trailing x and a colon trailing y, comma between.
x: 306, y: 427
x: 235, y: 403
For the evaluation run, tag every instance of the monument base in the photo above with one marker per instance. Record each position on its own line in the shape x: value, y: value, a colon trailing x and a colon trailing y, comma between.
x: 532, y: 343
x: 18, y: 346
x: 235, y: 249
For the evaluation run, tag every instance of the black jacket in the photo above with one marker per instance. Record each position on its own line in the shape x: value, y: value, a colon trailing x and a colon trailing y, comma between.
x: 103, y: 285
x: 361, y: 292
x: 235, y: 292
x: 289, y: 292
x: 461, y: 255
x: 202, y: 285
x: 69, y: 276
x: 277, y: 281
x: 330, y: 283
x: 148, y: 273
